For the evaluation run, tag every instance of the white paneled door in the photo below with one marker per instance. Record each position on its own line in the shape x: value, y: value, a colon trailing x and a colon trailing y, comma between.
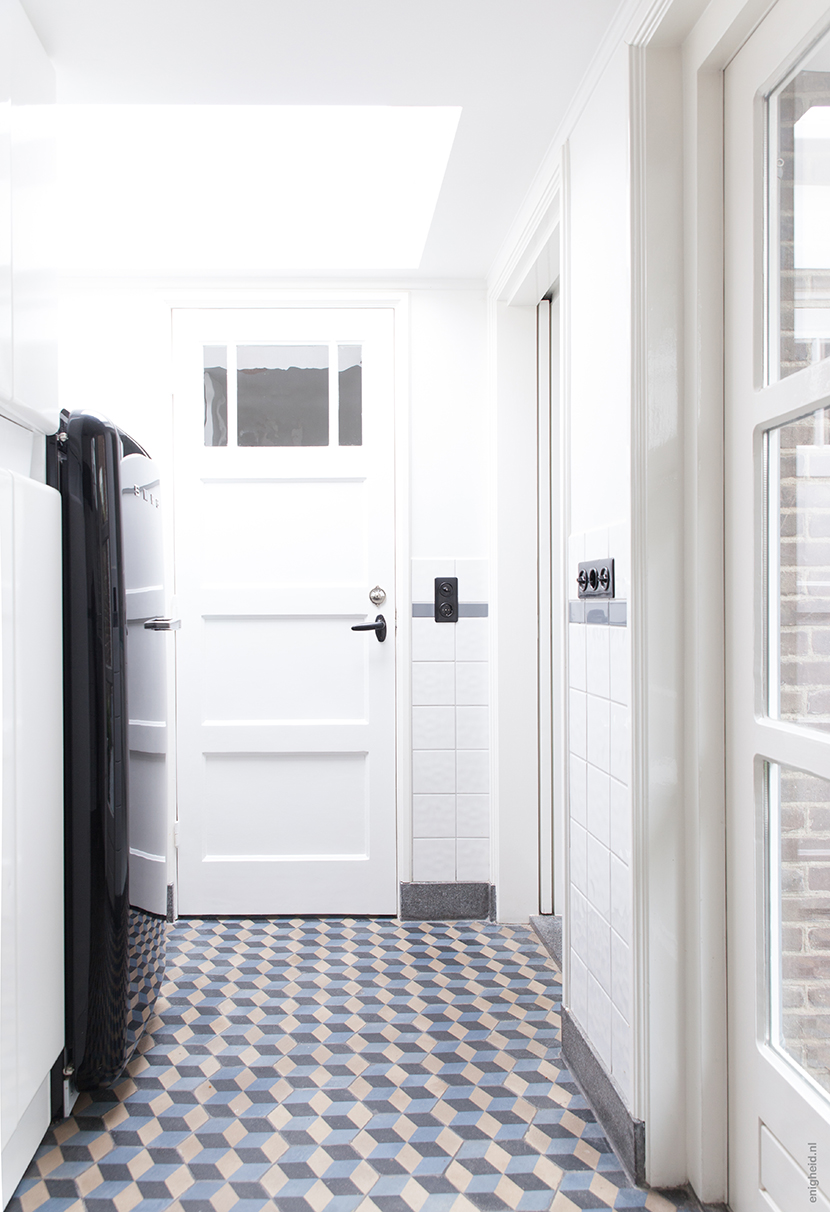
x: 284, y: 433
x: 777, y: 509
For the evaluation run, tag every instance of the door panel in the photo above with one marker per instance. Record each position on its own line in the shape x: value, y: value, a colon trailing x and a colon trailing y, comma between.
x: 778, y: 747
x: 284, y: 523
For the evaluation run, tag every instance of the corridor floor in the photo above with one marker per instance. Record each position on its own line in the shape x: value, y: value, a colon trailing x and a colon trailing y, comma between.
x: 312, y: 1064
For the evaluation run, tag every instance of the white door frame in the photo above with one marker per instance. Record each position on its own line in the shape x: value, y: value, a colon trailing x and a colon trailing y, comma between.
x: 515, y: 450
x: 220, y: 295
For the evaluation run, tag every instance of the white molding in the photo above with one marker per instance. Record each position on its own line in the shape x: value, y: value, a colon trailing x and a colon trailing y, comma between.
x: 637, y: 620
x: 175, y: 296
x: 403, y: 592
x: 565, y: 523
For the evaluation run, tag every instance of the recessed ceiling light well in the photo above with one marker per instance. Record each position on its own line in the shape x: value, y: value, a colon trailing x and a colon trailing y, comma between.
x: 162, y: 189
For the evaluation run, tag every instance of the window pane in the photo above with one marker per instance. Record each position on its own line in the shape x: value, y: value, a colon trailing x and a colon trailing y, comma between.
x: 215, y: 362
x: 283, y: 395
x: 799, y: 570
x: 800, y: 216
x: 799, y: 893
x: 350, y: 383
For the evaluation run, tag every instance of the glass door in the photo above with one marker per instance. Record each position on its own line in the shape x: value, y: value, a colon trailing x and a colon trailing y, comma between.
x: 777, y: 482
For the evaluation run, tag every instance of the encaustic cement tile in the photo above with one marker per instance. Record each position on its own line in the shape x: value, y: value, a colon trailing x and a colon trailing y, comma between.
x: 341, y: 1065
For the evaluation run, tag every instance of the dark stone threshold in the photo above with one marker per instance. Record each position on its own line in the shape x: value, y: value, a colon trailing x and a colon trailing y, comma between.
x: 549, y: 929
x: 446, y: 902
x: 627, y: 1135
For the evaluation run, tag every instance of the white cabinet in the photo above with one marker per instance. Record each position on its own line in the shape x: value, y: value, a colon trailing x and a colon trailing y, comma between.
x: 28, y: 295
x: 31, y: 792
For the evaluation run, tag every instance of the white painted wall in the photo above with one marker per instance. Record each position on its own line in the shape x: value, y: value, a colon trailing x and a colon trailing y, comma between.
x: 115, y: 358
x: 449, y: 468
x: 598, y: 299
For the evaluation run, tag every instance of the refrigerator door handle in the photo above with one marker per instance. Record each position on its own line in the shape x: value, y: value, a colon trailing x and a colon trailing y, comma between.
x: 163, y: 624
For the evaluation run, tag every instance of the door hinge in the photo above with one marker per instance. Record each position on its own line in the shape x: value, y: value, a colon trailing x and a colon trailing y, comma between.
x: 175, y: 835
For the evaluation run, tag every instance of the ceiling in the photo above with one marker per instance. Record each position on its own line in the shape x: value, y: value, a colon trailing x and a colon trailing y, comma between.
x: 512, y: 65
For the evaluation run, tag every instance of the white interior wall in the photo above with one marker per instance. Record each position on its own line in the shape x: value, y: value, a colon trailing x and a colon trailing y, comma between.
x: 115, y: 359
x: 598, y: 298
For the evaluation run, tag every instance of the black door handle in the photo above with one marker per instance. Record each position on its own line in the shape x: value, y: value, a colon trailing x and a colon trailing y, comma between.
x: 379, y: 628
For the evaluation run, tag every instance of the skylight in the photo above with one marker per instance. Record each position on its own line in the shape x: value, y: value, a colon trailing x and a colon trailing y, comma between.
x: 163, y: 189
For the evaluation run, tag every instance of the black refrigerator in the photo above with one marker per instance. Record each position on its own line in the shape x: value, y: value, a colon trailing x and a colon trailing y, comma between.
x: 114, y: 809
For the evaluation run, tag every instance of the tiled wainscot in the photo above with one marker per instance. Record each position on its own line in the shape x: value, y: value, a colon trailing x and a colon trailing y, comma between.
x: 600, y: 812
x: 450, y: 727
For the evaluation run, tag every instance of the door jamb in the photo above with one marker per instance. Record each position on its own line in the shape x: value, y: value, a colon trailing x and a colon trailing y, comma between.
x: 222, y: 296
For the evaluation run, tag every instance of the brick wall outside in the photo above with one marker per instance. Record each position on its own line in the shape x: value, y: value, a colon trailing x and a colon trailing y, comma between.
x: 804, y: 636
x: 805, y: 894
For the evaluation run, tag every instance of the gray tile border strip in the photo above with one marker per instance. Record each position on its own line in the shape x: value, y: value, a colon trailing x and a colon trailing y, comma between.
x: 576, y: 612
x: 442, y: 902
x: 466, y: 610
x: 549, y: 929
x: 626, y: 1134
x: 613, y: 613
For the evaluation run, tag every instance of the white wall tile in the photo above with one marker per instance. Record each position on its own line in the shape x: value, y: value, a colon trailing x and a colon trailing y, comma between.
x: 433, y: 683
x: 598, y: 888
x: 621, y: 975
x: 432, y: 641
x: 433, y: 860
x: 620, y: 743
x: 471, y: 682
x: 619, y: 667
x: 433, y: 771
x: 621, y: 1050
x: 424, y: 573
x: 472, y: 639
x: 472, y: 859
x: 433, y: 815
x: 597, y: 731
x: 576, y: 553
x: 576, y: 723
x: 599, y: 1020
x: 472, y: 815
x: 578, y: 801
x: 620, y: 820
x: 598, y: 955
x: 596, y: 660
x: 621, y: 894
x: 576, y: 655
x: 473, y: 771
x: 596, y: 544
x: 472, y: 727
x: 473, y: 580
x: 579, y: 858
x: 598, y: 792
x: 433, y: 728
x: 579, y: 923
x: 578, y: 991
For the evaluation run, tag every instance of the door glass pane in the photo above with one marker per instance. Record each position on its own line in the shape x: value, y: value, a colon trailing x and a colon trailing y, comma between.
x: 350, y: 383
x: 215, y: 362
x: 798, y: 556
x: 283, y: 395
x: 799, y: 211
x: 799, y: 906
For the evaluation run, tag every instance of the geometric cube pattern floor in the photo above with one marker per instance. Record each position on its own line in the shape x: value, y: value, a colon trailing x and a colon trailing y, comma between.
x: 341, y: 1065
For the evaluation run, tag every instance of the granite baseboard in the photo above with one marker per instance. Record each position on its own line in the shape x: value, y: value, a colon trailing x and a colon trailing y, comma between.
x: 443, y: 902
x: 626, y: 1134
x: 549, y: 929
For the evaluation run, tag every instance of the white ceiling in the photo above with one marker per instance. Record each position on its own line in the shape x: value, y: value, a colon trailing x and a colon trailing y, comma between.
x: 512, y: 65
